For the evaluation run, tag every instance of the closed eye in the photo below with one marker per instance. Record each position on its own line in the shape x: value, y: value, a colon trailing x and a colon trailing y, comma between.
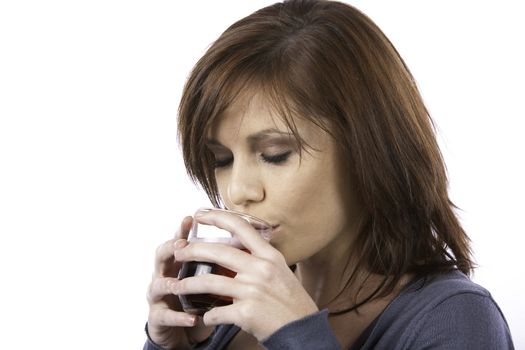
x: 222, y: 163
x: 276, y: 159
x: 273, y: 159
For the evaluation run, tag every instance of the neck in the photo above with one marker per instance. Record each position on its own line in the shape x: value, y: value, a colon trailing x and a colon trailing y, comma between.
x: 326, y: 282
x: 325, y: 275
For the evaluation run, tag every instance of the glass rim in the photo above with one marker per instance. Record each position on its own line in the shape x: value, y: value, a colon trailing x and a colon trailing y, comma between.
x: 265, y: 229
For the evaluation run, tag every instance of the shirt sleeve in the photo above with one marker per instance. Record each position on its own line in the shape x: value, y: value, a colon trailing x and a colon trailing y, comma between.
x: 312, y: 332
x: 151, y: 346
x: 464, y: 321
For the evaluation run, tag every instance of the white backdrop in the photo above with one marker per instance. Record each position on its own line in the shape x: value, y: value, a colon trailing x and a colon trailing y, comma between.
x: 91, y: 178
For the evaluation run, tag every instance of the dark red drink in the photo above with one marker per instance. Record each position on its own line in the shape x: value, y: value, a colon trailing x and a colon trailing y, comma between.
x: 198, y: 304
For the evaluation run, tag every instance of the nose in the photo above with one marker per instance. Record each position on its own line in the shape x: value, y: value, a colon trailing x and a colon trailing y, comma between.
x: 245, y: 186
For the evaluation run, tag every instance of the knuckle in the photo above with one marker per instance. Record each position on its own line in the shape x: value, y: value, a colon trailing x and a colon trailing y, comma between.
x: 149, y: 294
x: 253, y: 292
x: 161, y: 285
x: 246, y: 313
x: 169, y: 285
x: 162, y: 319
x: 158, y: 250
x: 159, y: 288
x: 266, y: 270
x: 211, y: 316
x: 155, y: 318
x: 276, y: 256
x: 186, y: 251
x: 180, y: 285
x: 161, y: 254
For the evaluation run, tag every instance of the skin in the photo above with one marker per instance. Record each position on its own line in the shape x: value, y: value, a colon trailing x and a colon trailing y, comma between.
x: 315, y: 214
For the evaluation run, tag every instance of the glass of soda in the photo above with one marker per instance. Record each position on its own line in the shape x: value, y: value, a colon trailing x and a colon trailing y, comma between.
x: 198, y: 304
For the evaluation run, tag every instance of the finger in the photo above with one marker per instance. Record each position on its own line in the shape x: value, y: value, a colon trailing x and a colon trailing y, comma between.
x: 159, y: 288
x: 164, y: 255
x: 238, y: 227
x: 167, y: 317
x: 185, y: 227
x: 227, y: 314
x: 246, y: 316
x: 212, y: 284
x: 225, y: 255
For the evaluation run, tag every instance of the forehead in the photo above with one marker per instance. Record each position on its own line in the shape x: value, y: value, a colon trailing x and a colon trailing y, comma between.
x: 250, y: 112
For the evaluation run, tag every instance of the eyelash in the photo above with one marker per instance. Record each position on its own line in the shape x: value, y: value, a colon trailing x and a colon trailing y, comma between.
x: 276, y: 159
x: 222, y: 163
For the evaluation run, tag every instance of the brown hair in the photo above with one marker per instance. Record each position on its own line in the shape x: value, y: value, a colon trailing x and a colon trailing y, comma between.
x: 328, y: 62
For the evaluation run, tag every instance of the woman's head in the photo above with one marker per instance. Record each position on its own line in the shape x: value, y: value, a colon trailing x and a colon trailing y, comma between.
x: 260, y: 169
x: 325, y: 64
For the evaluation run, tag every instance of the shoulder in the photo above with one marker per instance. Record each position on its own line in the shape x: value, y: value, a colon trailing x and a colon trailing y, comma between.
x: 446, y: 311
x: 429, y: 291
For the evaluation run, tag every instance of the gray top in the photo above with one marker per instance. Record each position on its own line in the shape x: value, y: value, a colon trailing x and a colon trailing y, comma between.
x: 446, y: 311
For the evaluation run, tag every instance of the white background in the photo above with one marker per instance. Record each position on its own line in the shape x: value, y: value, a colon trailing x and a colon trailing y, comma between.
x: 91, y: 178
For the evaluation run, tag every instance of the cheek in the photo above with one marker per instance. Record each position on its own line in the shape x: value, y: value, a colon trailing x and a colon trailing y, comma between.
x: 313, y: 189
x: 221, y: 179
x: 313, y: 203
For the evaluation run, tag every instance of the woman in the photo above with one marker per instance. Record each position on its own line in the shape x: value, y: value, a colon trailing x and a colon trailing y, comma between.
x: 303, y: 114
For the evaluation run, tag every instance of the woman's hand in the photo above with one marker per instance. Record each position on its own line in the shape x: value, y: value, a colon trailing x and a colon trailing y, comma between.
x: 167, y: 323
x: 266, y: 294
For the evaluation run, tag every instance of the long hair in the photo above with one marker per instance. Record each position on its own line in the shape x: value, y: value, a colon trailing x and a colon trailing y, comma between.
x: 329, y: 63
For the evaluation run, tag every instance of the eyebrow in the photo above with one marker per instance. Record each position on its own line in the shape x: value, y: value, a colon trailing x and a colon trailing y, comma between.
x: 257, y: 137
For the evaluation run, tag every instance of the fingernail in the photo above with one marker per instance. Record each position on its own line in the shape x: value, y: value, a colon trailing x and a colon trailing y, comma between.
x: 179, y: 243
x: 202, y: 212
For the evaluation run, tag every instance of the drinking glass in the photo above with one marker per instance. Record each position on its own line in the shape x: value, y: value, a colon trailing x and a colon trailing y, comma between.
x: 198, y: 304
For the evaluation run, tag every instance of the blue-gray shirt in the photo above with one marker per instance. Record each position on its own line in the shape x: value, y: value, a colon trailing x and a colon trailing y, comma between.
x: 446, y: 311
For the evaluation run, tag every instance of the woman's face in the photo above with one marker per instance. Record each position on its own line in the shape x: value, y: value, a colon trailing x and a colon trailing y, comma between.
x: 307, y: 197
